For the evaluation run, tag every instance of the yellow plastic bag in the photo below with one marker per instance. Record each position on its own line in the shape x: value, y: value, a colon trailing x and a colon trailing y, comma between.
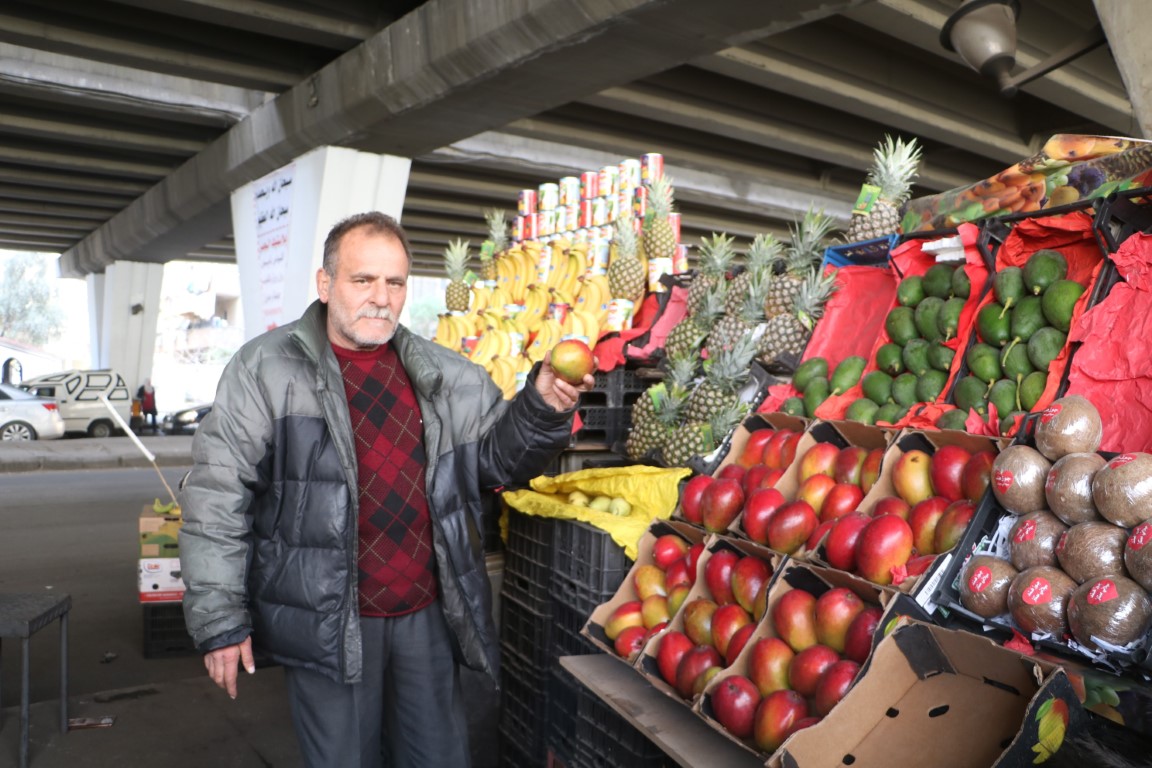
x: 652, y: 492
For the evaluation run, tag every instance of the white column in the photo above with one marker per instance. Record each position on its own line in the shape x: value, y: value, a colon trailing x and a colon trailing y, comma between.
x: 279, y: 224
x: 1127, y: 26
x: 123, y: 308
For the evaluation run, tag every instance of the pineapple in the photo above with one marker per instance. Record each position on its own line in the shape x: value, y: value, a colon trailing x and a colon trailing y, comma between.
x: 895, y: 164
x: 689, y: 334
x: 700, y: 438
x: 763, y: 254
x: 716, y: 256
x: 657, y: 413
x: 498, y: 237
x: 627, y: 277
x: 726, y: 372
x: 659, y: 237
x: 788, y: 334
x: 747, y: 317
x: 457, y: 294
x: 803, y: 255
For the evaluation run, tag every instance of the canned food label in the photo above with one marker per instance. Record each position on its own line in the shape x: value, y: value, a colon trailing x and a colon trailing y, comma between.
x: 1025, y: 532
x: 657, y: 268
x: 680, y: 264
x: 1050, y: 413
x: 589, y: 185
x: 609, y: 178
x: 570, y: 190
x: 517, y: 343
x: 1039, y: 592
x: 527, y: 202
x: 468, y: 343
x: 631, y: 173
x: 1121, y: 460
x: 1102, y: 591
x: 1002, y: 479
x: 979, y: 579
x: 599, y: 211
x: 619, y: 315
x: 548, y: 197
x: 1141, y: 535
x: 558, y: 311
x: 598, y: 254
x: 651, y: 167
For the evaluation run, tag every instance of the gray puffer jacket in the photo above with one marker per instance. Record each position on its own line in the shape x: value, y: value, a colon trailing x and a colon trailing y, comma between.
x: 269, y: 542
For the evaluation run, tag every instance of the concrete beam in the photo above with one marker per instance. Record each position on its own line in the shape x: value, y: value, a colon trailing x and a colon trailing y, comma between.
x: 27, y: 153
x: 103, y: 203
x: 448, y: 70
x: 121, y: 136
x: 1129, y: 28
x: 60, y: 180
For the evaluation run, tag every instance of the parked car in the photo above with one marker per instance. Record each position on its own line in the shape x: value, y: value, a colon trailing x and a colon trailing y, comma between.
x: 78, y: 396
x: 186, y: 420
x: 24, y: 416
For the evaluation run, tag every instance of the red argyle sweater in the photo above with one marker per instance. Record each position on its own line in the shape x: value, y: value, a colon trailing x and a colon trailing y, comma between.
x: 395, y: 562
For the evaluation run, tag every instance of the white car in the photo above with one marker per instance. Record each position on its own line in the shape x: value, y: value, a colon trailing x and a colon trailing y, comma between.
x: 24, y: 416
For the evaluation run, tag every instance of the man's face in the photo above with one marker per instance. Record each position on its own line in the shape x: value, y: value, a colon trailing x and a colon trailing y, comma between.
x: 368, y: 291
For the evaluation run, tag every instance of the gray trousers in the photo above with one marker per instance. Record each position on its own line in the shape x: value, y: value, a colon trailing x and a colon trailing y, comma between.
x: 408, y: 712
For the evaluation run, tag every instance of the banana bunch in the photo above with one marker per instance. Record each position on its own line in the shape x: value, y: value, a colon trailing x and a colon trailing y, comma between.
x: 496, y: 342
x: 509, y: 373
x: 536, y: 302
x: 549, y: 335
x: 481, y: 296
x: 517, y: 268
x: 593, y: 296
x: 452, y: 329
x: 585, y: 325
x: 567, y: 263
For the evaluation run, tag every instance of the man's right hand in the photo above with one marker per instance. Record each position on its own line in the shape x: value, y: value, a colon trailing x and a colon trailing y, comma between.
x: 222, y: 664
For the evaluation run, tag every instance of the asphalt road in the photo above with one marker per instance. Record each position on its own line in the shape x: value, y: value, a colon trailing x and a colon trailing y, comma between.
x: 75, y: 531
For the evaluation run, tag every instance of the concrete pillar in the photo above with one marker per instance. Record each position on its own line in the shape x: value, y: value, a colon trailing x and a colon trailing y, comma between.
x: 279, y: 223
x: 1128, y: 27
x: 123, y: 308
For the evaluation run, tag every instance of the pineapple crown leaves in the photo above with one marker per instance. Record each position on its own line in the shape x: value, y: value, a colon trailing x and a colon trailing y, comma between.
x: 813, y: 295
x: 764, y: 252
x: 497, y: 228
x: 807, y: 246
x: 895, y: 164
x: 716, y: 254
x: 660, y: 197
x: 456, y: 259
x: 625, y: 235
x: 713, y: 305
x: 727, y: 418
x: 729, y: 368
x: 682, y: 370
x: 752, y: 308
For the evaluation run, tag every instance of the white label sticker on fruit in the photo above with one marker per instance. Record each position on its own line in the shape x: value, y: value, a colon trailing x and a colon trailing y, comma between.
x: 1102, y: 592
x: 980, y: 579
x: 1038, y: 592
x: 1026, y: 532
x: 1121, y: 460
x: 1141, y: 535
x: 1050, y: 413
x: 1002, y: 478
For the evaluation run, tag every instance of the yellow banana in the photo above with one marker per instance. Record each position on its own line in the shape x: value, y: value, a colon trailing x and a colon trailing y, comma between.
x: 571, y: 283
x: 461, y: 327
x: 445, y: 332
x: 590, y: 324
x: 566, y: 325
x: 574, y: 326
x: 505, y: 376
x: 503, y: 342
x: 559, y: 297
x: 499, y: 299
x: 481, y: 295
x: 506, y: 270
x: 546, y: 338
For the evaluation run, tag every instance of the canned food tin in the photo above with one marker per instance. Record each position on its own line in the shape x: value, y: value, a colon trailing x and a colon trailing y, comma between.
x: 651, y: 167
x: 562, y: 218
x: 546, y: 223
x: 657, y: 268
x: 580, y: 235
x: 527, y: 202
x: 573, y: 216
x: 624, y: 204
x: 518, y: 228
x: 468, y: 343
x: 517, y: 343
x: 589, y: 185
x: 680, y: 262
x: 598, y: 252
x: 674, y: 220
x: 570, y: 190
x: 612, y: 204
x: 548, y: 197
x: 599, y: 211
x: 640, y: 203
x: 558, y: 311
x: 630, y: 173
x: 531, y: 231
x: 619, y: 315
x: 584, y: 219
x: 609, y: 179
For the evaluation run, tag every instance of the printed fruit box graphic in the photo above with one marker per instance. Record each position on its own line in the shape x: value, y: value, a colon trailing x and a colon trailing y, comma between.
x: 1070, y: 168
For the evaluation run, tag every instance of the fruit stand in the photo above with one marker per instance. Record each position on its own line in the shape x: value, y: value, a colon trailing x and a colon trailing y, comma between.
x: 914, y: 471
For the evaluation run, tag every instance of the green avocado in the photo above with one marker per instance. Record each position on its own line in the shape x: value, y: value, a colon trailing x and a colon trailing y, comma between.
x: 793, y: 406
x: 847, y: 374
x: 952, y: 420
x: 1014, y: 361
x: 961, y: 284
x: 948, y: 321
x: 984, y: 362
x: 889, y: 359
x: 1044, y: 346
x: 916, y: 356
x: 910, y: 291
x: 1008, y: 286
x: 814, y: 394
x: 904, y: 389
x: 1032, y: 388
x: 930, y: 386
x: 925, y: 316
x: 940, y: 356
x: 1003, y: 396
x: 889, y: 413
x: 1058, y: 302
x: 1009, y: 421
x: 862, y: 410
x: 1044, y: 268
x: 877, y: 387
x: 992, y: 323
x: 816, y: 367
x: 938, y: 281
x: 1027, y: 318
x: 971, y: 393
x: 900, y: 325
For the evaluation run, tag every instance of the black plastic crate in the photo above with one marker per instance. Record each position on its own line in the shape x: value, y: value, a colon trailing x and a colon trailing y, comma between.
x: 604, y: 739
x: 528, y: 560
x: 165, y: 634
x: 525, y: 632
x: 524, y: 705
x: 586, y: 556
x: 602, y: 425
x: 613, y: 388
x: 566, y: 638
x: 529, y: 536
x: 512, y: 755
x: 563, y: 695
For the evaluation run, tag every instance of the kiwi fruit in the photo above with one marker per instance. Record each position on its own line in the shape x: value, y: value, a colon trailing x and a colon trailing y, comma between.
x: 1112, y: 609
x: 1037, y: 599
x: 1122, y: 489
x: 1138, y: 555
x: 1092, y: 549
x: 1069, y: 487
x: 984, y: 584
x: 1018, y: 477
x: 1033, y: 539
x: 1069, y: 425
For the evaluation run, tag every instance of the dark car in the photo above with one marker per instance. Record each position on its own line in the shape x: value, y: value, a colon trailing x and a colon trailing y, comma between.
x: 186, y: 420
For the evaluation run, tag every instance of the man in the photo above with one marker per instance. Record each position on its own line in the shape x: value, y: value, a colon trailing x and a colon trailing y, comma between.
x: 333, y: 513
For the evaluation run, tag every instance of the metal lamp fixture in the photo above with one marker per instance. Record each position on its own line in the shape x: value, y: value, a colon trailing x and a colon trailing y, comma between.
x: 983, y: 33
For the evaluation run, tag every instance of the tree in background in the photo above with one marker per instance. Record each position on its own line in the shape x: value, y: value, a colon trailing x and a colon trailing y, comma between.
x: 29, y: 311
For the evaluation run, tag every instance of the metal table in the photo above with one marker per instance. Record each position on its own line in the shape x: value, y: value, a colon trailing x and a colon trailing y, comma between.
x: 23, y: 615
